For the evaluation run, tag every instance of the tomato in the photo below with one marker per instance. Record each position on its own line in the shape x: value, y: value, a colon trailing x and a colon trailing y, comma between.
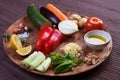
x: 94, y: 23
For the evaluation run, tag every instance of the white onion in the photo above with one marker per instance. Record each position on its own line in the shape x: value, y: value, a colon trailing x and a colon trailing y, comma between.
x: 67, y: 27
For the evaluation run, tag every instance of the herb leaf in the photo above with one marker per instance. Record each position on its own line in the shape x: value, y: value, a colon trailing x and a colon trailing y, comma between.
x: 63, y: 67
x: 64, y: 62
x: 6, y: 36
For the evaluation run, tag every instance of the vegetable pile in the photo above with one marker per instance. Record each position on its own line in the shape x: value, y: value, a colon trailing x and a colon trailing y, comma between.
x: 53, y: 26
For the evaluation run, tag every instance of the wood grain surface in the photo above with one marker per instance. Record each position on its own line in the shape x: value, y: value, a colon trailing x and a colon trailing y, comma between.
x: 107, y: 10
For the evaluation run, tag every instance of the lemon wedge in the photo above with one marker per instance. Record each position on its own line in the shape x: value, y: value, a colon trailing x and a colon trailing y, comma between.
x: 24, y: 51
x: 15, y: 42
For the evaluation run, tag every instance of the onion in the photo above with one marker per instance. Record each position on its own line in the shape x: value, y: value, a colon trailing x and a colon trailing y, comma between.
x: 67, y: 27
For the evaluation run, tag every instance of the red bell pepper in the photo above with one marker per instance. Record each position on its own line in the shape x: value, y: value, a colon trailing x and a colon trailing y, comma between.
x: 48, y: 40
x: 53, y: 40
x: 42, y: 37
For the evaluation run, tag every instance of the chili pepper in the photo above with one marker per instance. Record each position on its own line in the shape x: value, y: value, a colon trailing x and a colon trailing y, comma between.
x: 37, y: 18
x: 49, y: 15
x: 48, y: 39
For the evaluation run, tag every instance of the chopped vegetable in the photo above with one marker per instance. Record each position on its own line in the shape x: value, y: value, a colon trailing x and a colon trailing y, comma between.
x: 45, y: 65
x: 49, y: 15
x: 64, y: 62
x: 37, y: 60
x: 67, y: 27
x: 56, y: 11
x: 48, y: 39
x: 29, y: 59
x: 37, y: 18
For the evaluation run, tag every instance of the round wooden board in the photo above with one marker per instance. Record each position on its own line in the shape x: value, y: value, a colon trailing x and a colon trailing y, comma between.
x: 77, y: 37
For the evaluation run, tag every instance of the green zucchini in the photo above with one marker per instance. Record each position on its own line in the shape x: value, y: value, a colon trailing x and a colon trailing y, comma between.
x: 35, y: 16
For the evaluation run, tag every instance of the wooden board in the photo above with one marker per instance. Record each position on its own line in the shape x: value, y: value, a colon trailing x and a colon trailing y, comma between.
x: 77, y: 37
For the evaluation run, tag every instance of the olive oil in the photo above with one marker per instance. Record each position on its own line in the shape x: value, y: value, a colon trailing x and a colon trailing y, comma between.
x: 96, y: 39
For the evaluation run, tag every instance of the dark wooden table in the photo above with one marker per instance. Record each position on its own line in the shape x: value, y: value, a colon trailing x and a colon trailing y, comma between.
x: 107, y: 10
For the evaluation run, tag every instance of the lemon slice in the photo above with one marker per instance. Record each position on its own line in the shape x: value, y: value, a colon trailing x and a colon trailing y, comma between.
x: 24, y: 51
x: 15, y: 42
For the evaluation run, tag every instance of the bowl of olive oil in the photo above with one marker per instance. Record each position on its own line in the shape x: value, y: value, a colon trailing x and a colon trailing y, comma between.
x: 97, y: 39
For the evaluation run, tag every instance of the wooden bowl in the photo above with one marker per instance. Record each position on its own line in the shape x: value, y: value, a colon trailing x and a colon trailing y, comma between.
x: 77, y: 37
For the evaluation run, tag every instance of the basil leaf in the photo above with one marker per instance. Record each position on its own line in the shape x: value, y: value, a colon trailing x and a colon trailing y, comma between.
x: 71, y: 56
x: 64, y: 67
x: 57, y: 62
x: 78, y: 61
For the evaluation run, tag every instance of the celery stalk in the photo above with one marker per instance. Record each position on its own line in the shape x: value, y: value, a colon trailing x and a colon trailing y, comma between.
x: 42, y: 55
x: 29, y: 59
x: 37, y: 61
x: 44, y: 66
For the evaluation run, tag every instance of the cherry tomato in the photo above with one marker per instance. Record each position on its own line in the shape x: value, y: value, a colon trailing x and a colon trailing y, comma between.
x: 94, y: 23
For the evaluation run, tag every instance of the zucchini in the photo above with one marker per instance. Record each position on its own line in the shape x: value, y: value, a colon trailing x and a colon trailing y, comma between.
x: 37, y: 18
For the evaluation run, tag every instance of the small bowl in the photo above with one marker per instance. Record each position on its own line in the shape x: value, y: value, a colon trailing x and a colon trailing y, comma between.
x: 94, y: 46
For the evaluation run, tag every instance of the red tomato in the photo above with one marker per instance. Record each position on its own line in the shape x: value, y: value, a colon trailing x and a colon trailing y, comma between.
x: 94, y: 23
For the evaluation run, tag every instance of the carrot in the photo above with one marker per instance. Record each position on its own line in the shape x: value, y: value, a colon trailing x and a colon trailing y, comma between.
x: 56, y: 11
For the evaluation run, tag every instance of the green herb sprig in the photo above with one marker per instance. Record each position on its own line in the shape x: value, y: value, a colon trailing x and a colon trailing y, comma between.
x: 6, y: 36
x: 64, y: 62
